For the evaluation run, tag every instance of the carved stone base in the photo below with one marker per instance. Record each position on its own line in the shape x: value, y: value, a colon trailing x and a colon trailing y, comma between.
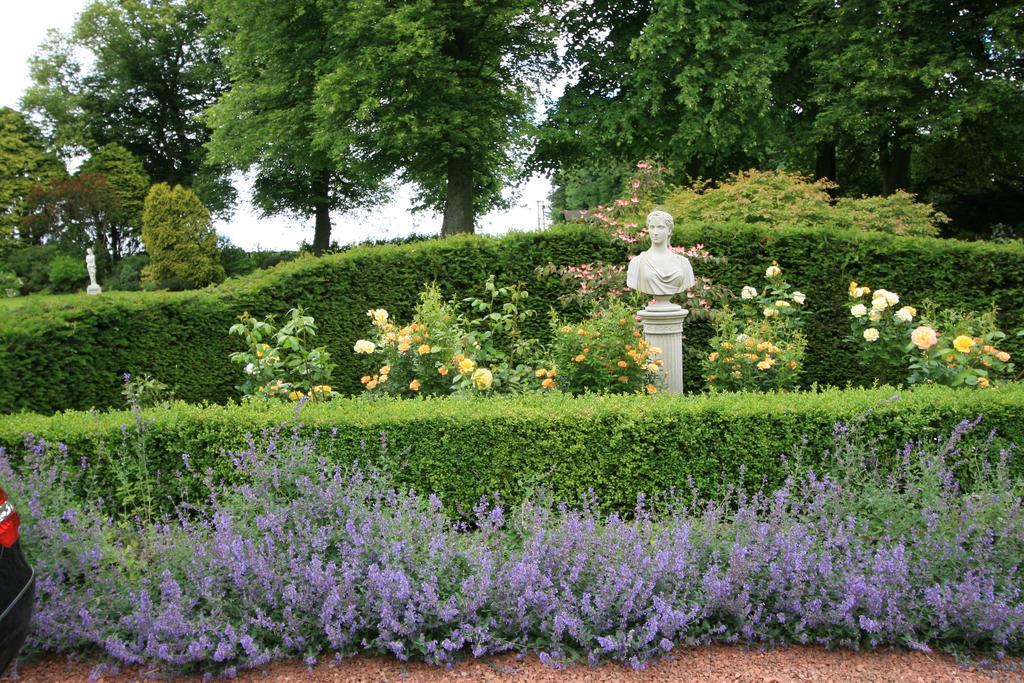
x: 93, y: 289
x: 663, y: 328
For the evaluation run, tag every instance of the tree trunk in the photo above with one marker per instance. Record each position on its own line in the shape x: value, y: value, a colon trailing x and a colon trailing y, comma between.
x: 115, y: 244
x: 458, y: 205
x: 894, y: 163
x: 825, y: 161
x: 322, y: 209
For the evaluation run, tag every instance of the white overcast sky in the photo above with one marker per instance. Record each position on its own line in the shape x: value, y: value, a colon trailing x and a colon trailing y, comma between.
x: 24, y: 28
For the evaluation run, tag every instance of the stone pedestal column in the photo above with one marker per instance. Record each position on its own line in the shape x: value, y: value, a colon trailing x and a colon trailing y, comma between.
x: 663, y: 328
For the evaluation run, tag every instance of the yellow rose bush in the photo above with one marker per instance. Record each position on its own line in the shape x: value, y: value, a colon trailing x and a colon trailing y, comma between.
x: 606, y: 353
x: 752, y: 354
x: 758, y: 342
x: 880, y: 326
x: 895, y: 344
x: 957, y: 349
x: 476, y: 347
x: 776, y: 299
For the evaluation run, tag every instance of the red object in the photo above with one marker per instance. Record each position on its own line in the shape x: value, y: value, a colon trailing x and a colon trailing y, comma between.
x: 9, y: 521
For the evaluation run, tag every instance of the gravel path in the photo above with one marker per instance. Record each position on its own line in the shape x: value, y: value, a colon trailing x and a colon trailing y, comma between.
x: 715, y: 663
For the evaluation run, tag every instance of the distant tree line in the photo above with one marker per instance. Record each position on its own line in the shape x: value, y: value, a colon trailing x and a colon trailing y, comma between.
x: 328, y: 105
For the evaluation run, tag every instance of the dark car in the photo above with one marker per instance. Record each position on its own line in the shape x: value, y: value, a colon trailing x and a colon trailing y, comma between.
x: 17, y: 585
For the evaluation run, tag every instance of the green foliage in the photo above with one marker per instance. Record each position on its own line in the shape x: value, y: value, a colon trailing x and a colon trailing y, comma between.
x: 139, y: 74
x: 899, y: 214
x: 121, y: 228
x: 290, y: 367
x: 87, y: 343
x: 127, y: 275
x: 778, y: 199
x: 464, y: 448
x: 32, y: 265
x: 10, y: 283
x: 902, y: 77
x: 915, y: 96
x: 67, y: 274
x: 25, y: 163
x: 587, y: 188
x: 146, y: 392
x: 180, y: 241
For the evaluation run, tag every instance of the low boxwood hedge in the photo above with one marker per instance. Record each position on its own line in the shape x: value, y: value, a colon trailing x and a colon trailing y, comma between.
x: 70, y: 352
x: 462, y: 449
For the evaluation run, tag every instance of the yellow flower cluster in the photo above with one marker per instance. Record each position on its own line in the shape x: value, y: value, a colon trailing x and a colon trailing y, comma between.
x: 372, y: 382
x: 747, y: 351
x: 547, y: 375
x: 857, y: 291
x: 406, y: 337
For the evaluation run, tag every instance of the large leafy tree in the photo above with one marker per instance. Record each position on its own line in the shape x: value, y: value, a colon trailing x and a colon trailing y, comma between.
x: 691, y: 83
x: 266, y: 122
x: 150, y: 72
x: 25, y: 164
x: 904, y: 75
x: 846, y: 89
x: 443, y: 92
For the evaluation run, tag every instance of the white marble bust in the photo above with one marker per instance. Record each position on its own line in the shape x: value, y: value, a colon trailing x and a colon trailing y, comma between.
x: 659, y: 271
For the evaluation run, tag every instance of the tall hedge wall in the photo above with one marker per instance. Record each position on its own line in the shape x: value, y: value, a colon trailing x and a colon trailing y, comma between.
x: 619, y: 446
x: 70, y: 352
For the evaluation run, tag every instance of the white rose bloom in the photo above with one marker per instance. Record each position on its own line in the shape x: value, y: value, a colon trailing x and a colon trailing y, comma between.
x: 879, y: 303
x: 773, y: 271
x: 250, y: 369
x: 871, y: 334
x: 799, y: 297
x: 741, y: 337
x: 859, y: 311
x: 748, y: 292
x: 364, y: 346
x: 875, y: 315
x: 891, y: 298
x: 782, y: 303
x: 904, y: 314
x: 769, y: 312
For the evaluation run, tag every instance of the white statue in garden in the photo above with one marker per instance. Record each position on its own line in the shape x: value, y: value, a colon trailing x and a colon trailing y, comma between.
x: 90, y: 265
x: 659, y: 271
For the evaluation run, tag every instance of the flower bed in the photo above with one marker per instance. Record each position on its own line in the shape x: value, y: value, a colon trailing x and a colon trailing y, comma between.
x: 179, y: 338
x: 303, y: 558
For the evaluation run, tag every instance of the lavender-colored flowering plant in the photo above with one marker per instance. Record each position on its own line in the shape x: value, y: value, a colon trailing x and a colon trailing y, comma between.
x: 304, y: 558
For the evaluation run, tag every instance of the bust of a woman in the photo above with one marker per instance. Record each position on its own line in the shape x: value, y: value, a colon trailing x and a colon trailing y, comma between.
x: 659, y: 271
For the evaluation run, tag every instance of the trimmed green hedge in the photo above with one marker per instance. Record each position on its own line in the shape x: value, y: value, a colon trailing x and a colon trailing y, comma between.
x: 69, y: 352
x: 620, y: 446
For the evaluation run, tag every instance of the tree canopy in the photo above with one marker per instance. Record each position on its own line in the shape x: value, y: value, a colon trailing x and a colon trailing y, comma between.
x: 267, y: 123
x: 879, y: 95
x: 440, y: 93
x: 25, y: 164
x: 152, y: 70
